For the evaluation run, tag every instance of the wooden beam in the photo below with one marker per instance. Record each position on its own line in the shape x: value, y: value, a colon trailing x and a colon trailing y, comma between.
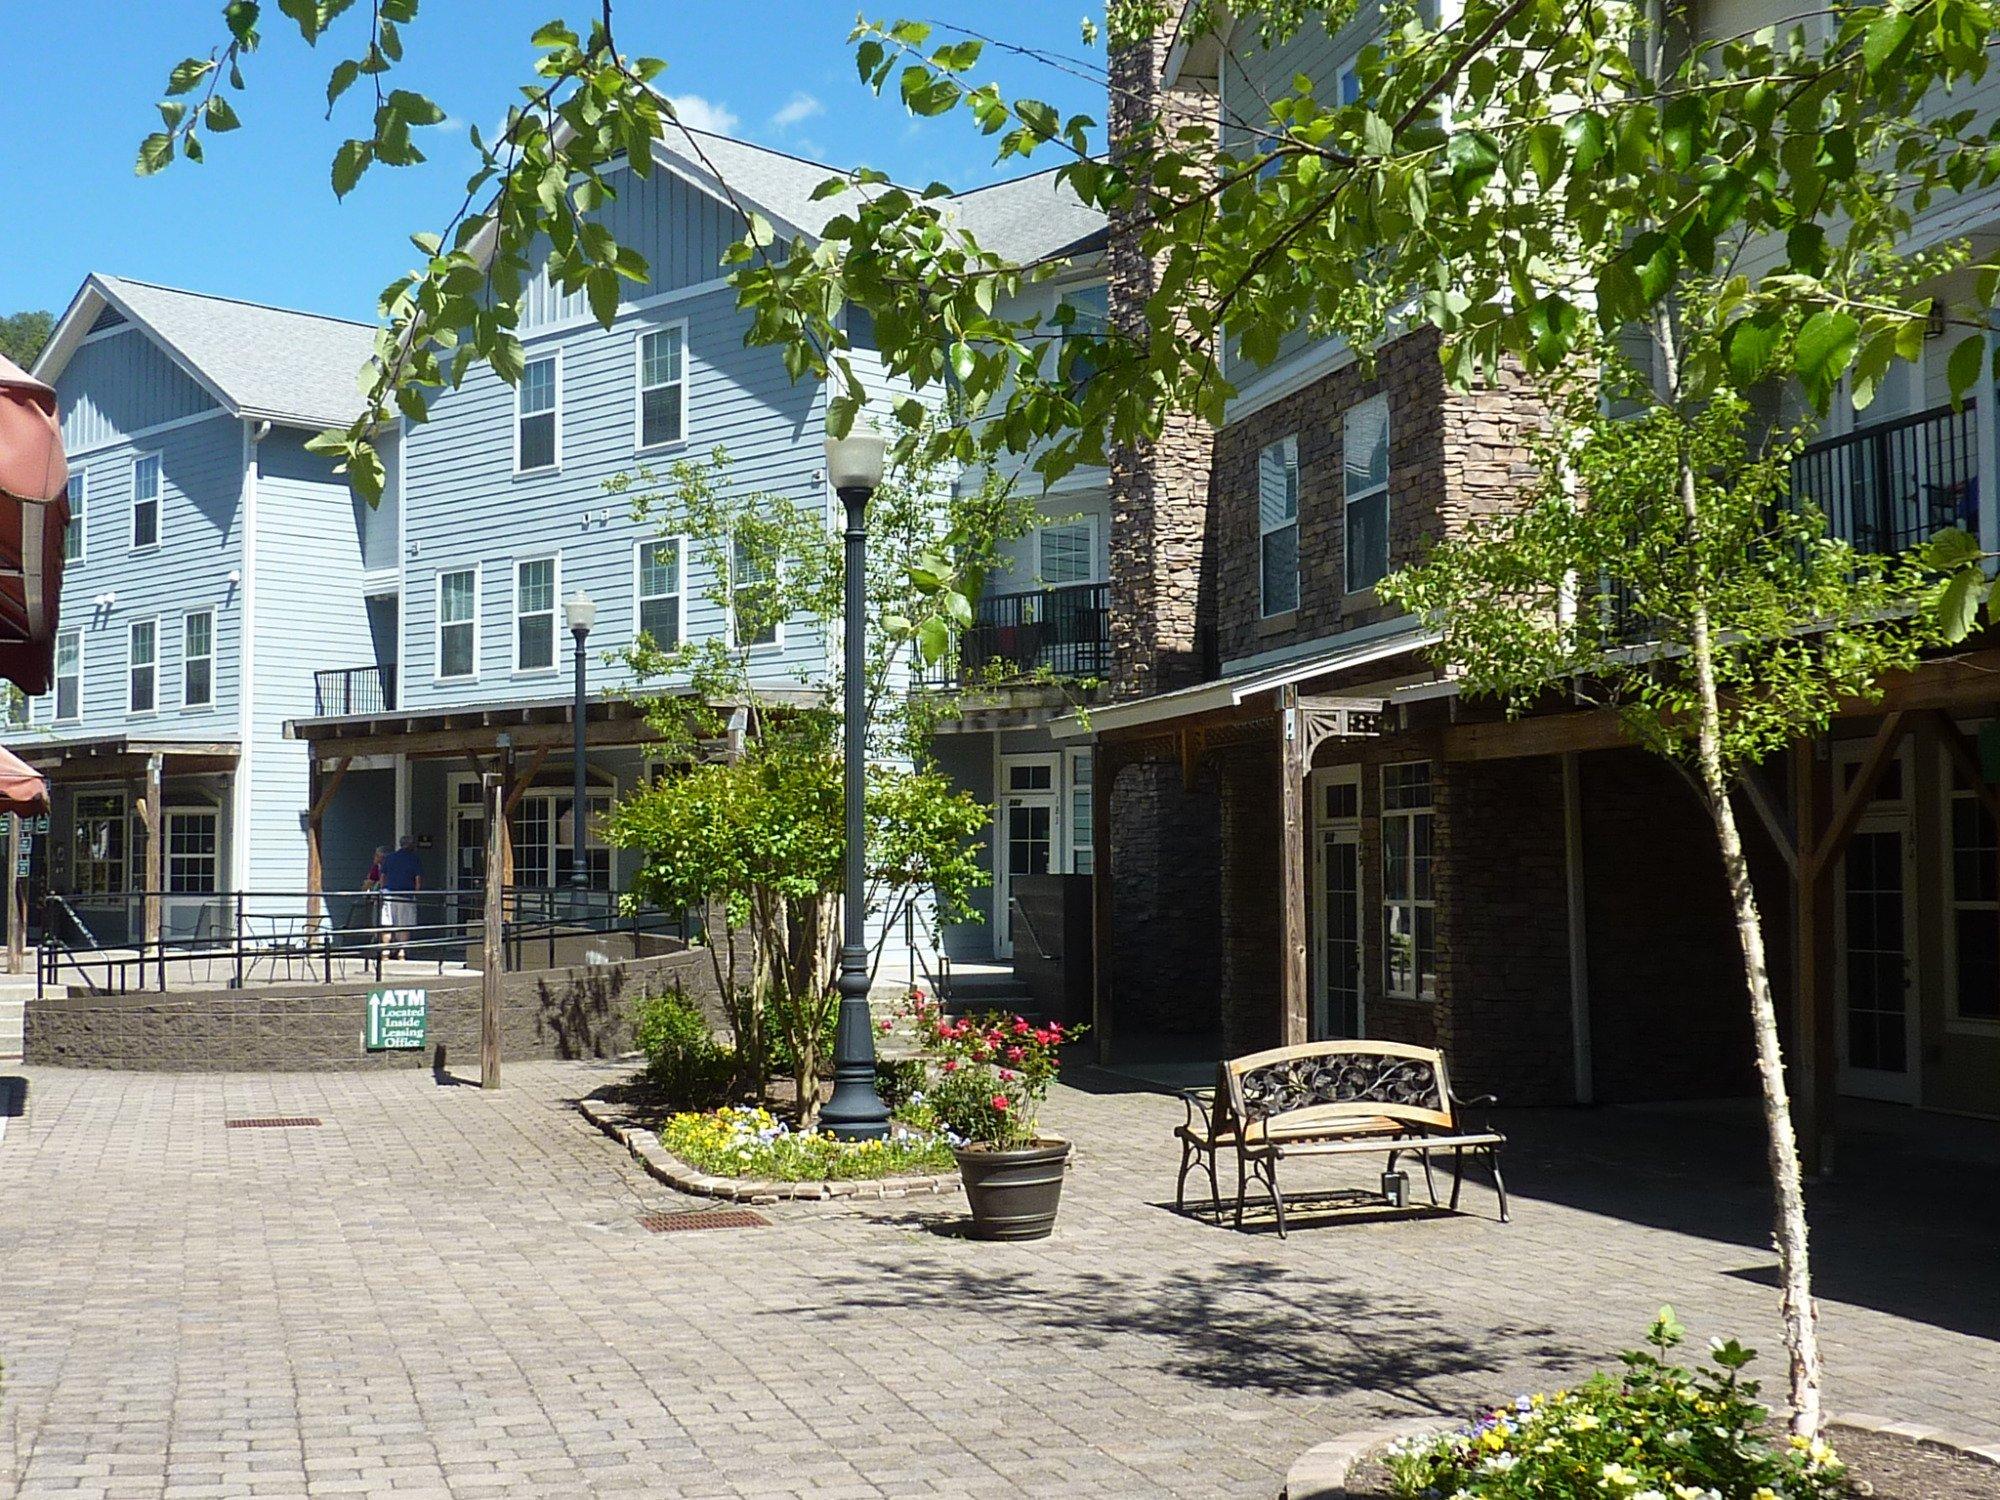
x: 16, y: 937
x: 155, y: 845
x: 321, y: 802
x: 1292, y: 772
x: 429, y: 744
x: 1758, y: 794
x: 1847, y: 817
x: 519, y: 785
x: 1549, y: 734
x: 321, y: 797
x: 492, y: 951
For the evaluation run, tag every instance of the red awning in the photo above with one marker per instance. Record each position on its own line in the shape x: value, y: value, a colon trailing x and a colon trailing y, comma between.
x: 34, y: 516
x: 22, y: 789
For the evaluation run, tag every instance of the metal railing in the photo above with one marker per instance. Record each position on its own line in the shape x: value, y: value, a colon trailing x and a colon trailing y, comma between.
x: 242, y: 939
x: 1063, y: 631
x: 354, y: 690
x: 1893, y: 485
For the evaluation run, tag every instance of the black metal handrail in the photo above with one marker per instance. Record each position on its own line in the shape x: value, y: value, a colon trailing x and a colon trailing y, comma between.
x: 1064, y: 631
x: 1893, y: 485
x: 354, y: 690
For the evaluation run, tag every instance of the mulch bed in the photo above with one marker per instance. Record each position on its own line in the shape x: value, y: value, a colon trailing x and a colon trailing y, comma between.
x: 1885, y: 1465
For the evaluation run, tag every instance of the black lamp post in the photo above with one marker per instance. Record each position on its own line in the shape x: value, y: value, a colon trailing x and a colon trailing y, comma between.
x: 581, y: 612
x: 855, y: 1112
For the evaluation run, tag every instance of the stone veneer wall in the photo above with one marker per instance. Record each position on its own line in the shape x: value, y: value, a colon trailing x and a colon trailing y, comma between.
x: 584, y: 1011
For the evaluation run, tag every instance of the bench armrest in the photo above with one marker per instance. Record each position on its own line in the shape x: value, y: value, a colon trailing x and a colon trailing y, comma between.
x: 1477, y: 1101
x: 1199, y: 1104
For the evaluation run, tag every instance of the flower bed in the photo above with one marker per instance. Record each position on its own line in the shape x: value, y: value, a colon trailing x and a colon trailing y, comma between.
x: 745, y: 1142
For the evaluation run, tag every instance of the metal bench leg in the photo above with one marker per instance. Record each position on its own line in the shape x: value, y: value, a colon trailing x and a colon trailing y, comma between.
x: 1457, y: 1174
x: 1214, y: 1188
x: 1242, y: 1186
x: 1430, y: 1182
x: 1499, y: 1182
x: 1277, y: 1198
x: 1180, y: 1182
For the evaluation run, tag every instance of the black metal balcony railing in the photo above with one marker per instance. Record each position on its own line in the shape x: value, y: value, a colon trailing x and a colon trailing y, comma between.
x: 1891, y: 486
x: 1062, y: 631
x: 354, y: 690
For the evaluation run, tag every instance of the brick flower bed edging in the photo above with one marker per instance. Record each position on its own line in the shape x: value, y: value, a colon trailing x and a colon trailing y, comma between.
x: 1320, y: 1473
x: 664, y: 1166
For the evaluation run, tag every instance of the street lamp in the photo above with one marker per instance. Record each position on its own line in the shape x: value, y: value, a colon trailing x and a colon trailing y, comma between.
x: 580, y: 610
x: 855, y: 1112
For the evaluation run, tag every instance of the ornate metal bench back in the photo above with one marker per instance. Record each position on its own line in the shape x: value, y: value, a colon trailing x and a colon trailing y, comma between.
x: 1393, y: 1081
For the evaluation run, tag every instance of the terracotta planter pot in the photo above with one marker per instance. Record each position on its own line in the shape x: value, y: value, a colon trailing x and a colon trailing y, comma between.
x: 1014, y: 1191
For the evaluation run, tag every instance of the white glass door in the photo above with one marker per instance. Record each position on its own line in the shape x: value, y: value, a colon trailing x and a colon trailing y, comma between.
x: 1026, y: 817
x: 1336, y: 903
x: 1876, y: 1008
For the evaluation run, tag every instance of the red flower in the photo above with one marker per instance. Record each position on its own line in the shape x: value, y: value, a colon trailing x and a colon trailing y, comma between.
x: 1000, y: 1103
x: 951, y: 1065
x: 1021, y: 1027
x: 1042, y: 1037
x: 1015, y: 1054
x: 1008, y: 1075
x: 886, y: 1027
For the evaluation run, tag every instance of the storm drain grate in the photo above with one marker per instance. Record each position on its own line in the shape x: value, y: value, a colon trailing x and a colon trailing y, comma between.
x: 272, y: 1122
x: 716, y: 1218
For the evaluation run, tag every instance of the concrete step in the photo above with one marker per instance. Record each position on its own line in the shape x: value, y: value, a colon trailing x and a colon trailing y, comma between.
x: 13, y: 1016
x: 987, y: 989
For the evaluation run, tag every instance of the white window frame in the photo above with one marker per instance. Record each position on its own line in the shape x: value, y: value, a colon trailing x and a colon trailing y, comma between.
x: 639, y: 387
x: 777, y: 640
x: 1349, y: 498
x: 117, y: 888
x: 132, y: 667
x: 1042, y: 529
x: 169, y: 813
x: 159, y: 503
x: 79, y: 507
x: 679, y: 596
x: 438, y: 622
x: 1070, y: 824
x: 555, y: 357
x: 56, y: 715
x: 205, y: 704
x: 1406, y: 818
x: 554, y: 559
x: 1955, y: 1020
x: 1288, y: 447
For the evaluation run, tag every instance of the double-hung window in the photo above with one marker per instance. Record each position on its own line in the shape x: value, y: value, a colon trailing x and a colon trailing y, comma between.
x: 69, y: 675
x: 142, y: 659
x: 146, y: 500
x: 1278, y: 526
x: 97, y: 844
x: 535, y: 614
x: 458, y: 623
x: 657, y: 587
x: 198, y: 658
x: 1364, y: 444
x: 662, y: 414
x: 753, y: 596
x: 537, y: 401
x: 79, y: 496
x: 192, y: 845
x: 1409, y: 916
x: 1066, y: 553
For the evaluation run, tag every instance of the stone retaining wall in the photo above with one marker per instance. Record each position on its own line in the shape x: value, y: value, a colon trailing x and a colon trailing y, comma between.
x: 579, y: 1011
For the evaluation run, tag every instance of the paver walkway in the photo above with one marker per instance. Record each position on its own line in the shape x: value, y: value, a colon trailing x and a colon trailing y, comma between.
x: 446, y: 1292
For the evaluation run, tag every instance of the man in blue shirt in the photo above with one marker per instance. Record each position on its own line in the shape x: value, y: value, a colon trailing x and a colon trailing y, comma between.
x: 402, y: 878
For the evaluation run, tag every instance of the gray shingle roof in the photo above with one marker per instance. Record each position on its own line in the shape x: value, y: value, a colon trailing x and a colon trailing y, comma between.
x: 1029, y: 218
x: 293, y: 367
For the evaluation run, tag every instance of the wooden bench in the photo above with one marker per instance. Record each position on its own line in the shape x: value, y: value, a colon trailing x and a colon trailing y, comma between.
x: 1334, y: 1098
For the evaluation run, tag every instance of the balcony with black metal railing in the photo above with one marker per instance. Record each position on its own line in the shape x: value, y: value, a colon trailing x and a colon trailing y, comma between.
x: 1060, y: 633
x: 1893, y: 485
x: 339, y: 691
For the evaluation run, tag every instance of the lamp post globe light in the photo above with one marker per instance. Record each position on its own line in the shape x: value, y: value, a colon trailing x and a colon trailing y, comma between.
x: 855, y: 1112
x: 580, y: 610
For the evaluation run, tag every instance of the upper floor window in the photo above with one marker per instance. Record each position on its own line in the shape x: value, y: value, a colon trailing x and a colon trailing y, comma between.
x: 753, y: 602
x: 458, y: 623
x: 1278, y: 526
x: 142, y: 660
x: 146, y: 500
x: 658, y: 591
x: 79, y: 494
x: 662, y: 414
x: 1067, y: 553
x: 1364, y: 445
x: 535, y: 614
x: 1090, y: 318
x: 69, y: 675
x: 536, y: 404
x: 1409, y: 913
x: 198, y: 659
x: 17, y: 708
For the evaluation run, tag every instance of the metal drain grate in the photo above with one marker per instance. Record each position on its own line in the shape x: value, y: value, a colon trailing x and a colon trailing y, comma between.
x: 700, y: 1218
x: 271, y: 1122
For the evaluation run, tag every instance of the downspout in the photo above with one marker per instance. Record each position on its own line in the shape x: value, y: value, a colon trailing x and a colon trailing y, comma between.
x: 1579, y: 953
x: 254, y: 432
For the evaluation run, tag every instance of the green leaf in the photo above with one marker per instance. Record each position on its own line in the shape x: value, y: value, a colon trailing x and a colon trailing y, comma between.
x: 1749, y: 345
x: 1951, y: 548
x: 1825, y: 348
x: 601, y: 286
x: 1886, y: 40
x: 1968, y: 358
x: 934, y: 639
x: 414, y: 107
x: 342, y: 79
x: 187, y: 73
x: 1958, y: 605
x: 218, y: 116
x: 349, y: 162
x: 155, y: 151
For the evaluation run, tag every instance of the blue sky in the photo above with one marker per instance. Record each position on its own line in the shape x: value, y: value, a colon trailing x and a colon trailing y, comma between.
x: 259, y: 220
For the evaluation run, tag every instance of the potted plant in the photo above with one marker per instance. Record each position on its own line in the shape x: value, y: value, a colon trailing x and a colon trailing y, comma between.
x: 988, y: 1077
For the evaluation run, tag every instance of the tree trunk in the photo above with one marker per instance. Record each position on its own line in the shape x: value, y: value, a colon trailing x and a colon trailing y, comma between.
x: 1781, y: 1140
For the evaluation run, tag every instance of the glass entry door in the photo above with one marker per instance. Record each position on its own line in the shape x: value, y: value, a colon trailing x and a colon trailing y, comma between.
x: 1027, y: 843
x: 1872, y: 974
x: 1336, y: 903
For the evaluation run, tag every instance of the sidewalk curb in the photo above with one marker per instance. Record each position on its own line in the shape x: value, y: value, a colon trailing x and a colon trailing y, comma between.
x: 669, y: 1169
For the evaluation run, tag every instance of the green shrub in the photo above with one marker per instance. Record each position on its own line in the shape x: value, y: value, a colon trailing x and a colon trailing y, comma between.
x: 683, y: 1055
x: 1659, y: 1430
x: 744, y: 1142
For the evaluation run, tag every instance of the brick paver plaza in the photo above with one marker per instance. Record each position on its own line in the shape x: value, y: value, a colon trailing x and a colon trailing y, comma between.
x: 446, y: 1292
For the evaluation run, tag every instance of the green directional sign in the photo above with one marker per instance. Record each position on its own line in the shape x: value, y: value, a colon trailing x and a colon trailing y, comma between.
x: 397, y: 1019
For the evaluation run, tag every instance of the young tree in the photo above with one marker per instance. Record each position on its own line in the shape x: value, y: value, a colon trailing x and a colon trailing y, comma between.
x: 1538, y: 179
x: 753, y: 830
x: 22, y: 335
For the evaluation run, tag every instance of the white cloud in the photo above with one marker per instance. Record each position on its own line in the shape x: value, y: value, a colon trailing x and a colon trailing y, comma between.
x: 698, y: 113
x: 800, y: 107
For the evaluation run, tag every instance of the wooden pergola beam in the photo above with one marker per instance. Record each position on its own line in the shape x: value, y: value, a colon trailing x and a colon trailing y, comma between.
x: 1292, y: 773
x: 1854, y: 805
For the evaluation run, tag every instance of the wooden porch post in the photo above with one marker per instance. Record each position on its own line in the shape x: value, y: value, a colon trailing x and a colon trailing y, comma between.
x: 495, y: 790
x: 155, y: 853
x: 17, y: 937
x: 1292, y: 771
x: 1104, y: 785
x: 315, y: 814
